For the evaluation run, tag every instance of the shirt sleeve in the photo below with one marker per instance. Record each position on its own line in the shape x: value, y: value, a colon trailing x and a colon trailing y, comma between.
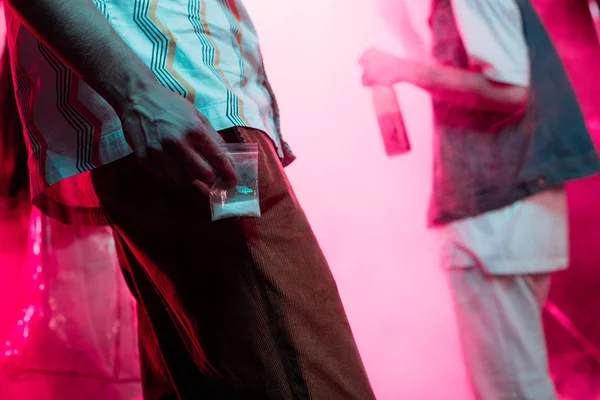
x: 492, y: 33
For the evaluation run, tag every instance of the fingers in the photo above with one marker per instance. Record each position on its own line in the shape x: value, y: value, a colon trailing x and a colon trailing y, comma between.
x: 174, y: 169
x: 198, y: 168
x: 152, y: 161
x: 367, y: 65
x: 213, y: 153
x: 183, y: 166
x: 364, y: 59
x: 184, y: 163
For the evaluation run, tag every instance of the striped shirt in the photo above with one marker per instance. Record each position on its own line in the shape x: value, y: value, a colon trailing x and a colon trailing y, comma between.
x: 205, y: 50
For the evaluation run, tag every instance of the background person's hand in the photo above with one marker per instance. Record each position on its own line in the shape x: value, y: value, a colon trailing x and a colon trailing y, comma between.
x: 381, y: 68
x: 173, y: 140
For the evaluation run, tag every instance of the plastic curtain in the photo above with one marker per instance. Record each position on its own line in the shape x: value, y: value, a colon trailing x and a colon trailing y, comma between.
x: 76, y: 336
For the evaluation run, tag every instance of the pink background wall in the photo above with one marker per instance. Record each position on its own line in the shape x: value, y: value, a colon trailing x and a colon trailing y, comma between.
x: 367, y: 210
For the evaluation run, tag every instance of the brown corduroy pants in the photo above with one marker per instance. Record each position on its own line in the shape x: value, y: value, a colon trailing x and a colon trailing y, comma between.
x: 241, y: 308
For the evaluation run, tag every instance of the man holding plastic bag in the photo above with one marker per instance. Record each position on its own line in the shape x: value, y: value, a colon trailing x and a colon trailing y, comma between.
x: 167, y: 104
x: 509, y: 134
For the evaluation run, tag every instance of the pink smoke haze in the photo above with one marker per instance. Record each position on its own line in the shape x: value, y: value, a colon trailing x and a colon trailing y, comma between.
x: 368, y: 210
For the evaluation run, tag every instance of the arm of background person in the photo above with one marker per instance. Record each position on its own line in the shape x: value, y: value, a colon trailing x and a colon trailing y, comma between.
x: 397, y: 16
x: 498, y: 78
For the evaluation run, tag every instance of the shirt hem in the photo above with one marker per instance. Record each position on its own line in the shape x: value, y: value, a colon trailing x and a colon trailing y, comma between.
x: 522, y: 267
x: 550, y: 177
x: 113, y: 147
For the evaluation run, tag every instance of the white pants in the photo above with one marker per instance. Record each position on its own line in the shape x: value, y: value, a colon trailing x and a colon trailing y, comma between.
x: 499, y: 266
x: 500, y: 324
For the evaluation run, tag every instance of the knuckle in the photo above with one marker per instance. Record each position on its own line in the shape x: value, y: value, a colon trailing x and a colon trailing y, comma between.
x: 153, y: 149
x: 221, y: 153
x: 192, y: 135
x: 201, y: 117
x: 170, y: 140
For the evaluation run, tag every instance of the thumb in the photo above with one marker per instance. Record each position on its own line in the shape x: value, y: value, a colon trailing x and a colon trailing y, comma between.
x: 365, y: 56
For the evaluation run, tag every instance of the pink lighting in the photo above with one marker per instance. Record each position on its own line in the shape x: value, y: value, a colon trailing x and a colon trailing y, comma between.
x: 77, y: 331
x: 20, y: 333
x: 368, y: 212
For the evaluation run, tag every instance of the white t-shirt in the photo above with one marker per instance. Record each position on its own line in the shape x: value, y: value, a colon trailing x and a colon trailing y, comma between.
x: 529, y: 236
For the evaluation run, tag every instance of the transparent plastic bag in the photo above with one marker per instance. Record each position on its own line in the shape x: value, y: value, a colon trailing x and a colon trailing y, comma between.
x: 242, y: 200
x: 76, y: 335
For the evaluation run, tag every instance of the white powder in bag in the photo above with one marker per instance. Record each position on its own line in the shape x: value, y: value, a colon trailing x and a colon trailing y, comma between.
x: 244, y: 208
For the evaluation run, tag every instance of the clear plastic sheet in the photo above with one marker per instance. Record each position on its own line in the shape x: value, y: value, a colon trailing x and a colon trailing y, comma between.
x: 75, y: 337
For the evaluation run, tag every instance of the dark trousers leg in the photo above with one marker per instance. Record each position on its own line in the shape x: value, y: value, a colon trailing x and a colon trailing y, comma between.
x: 240, y: 308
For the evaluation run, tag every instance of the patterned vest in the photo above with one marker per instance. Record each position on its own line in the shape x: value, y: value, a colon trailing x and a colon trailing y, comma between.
x: 487, y: 160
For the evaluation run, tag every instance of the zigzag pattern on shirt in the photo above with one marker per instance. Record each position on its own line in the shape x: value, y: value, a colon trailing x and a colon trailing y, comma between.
x: 233, y: 17
x: 164, y: 46
x: 37, y: 143
x: 86, y: 126
x: 211, y: 58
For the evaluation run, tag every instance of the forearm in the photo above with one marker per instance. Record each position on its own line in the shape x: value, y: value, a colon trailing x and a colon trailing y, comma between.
x: 466, y: 88
x: 80, y: 35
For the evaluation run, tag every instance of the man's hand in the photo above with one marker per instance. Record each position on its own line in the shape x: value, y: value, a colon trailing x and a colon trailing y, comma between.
x: 446, y: 83
x: 172, y: 139
x: 381, y: 68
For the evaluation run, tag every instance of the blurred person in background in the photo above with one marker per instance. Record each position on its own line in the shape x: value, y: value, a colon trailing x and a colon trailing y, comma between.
x: 509, y: 134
